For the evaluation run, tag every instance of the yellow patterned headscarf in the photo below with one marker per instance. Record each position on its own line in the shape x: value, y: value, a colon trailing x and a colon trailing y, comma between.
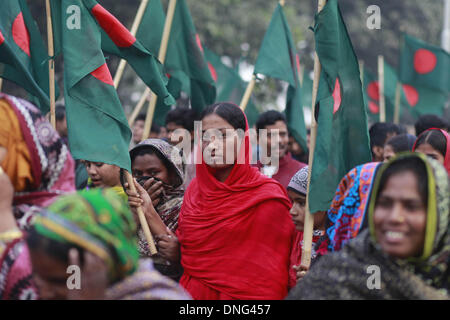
x: 433, y: 262
x: 17, y: 163
x: 100, y: 222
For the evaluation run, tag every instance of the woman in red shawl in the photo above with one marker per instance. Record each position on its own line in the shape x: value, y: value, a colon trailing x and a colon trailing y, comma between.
x: 234, y: 227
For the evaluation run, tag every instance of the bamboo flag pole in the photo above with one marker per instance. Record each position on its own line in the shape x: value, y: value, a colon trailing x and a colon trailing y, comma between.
x: 142, y: 220
x: 133, y: 31
x: 139, y: 106
x: 398, y: 92
x: 309, y: 218
x: 381, y: 88
x: 51, y: 64
x: 162, y: 58
x: 248, y: 93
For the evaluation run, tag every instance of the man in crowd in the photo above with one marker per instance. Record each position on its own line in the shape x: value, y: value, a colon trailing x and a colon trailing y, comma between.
x: 428, y: 121
x: 379, y: 133
x: 183, y: 118
x: 274, y: 121
x: 138, y: 130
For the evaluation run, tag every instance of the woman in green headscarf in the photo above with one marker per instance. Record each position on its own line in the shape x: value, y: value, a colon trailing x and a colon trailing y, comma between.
x: 405, y: 253
x: 95, y: 232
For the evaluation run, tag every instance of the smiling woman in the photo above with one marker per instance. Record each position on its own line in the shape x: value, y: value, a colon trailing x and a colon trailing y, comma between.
x: 408, y: 241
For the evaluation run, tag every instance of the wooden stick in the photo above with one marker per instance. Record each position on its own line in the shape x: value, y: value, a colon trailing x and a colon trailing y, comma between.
x: 139, y: 106
x: 1, y: 84
x: 398, y: 92
x: 51, y: 64
x: 142, y: 220
x: 381, y: 88
x: 133, y: 31
x: 309, y: 218
x: 162, y: 58
x: 150, y: 113
x: 247, y: 93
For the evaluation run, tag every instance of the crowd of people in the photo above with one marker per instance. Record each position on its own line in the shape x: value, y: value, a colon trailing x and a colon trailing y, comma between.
x: 223, y: 230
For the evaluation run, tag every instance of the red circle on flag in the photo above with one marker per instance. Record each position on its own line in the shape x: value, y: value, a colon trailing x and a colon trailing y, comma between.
x: 373, y: 107
x: 199, y: 43
x: 411, y: 94
x: 2, y: 39
x: 20, y: 34
x: 113, y: 27
x: 297, y: 60
x: 424, y: 61
x: 212, y: 71
x: 102, y: 73
x: 337, y: 96
x: 373, y: 90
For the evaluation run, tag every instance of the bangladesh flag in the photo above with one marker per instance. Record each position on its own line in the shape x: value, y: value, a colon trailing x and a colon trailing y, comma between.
x: 97, y: 126
x: 230, y: 86
x: 23, y: 55
x: 186, y: 60
x: 424, y: 72
x: 372, y: 93
x: 117, y: 40
x: 342, y: 134
x: 185, y: 63
x: 422, y: 100
x: 277, y: 58
x: 424, y: 65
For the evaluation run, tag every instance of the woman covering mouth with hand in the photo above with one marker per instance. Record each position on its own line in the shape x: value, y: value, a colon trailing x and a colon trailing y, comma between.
x: 407, y: 244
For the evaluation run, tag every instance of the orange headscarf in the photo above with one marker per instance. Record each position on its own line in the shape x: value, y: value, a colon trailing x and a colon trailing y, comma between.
x: 17, y: 162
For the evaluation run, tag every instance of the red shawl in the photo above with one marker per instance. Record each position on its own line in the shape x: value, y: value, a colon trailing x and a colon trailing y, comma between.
x: 235, y: 236
x: 447, y: 151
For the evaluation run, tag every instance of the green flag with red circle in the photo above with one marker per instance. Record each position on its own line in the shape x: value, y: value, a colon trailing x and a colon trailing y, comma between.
x: 23, y: 55
x: 424, y: 65
x: 230, y: 86
x: 424, y: 70
x: 342, y: 134
x: 98, y: 130
x: 185, y: 63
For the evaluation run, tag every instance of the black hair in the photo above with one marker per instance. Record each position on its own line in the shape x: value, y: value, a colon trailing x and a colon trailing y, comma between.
x: 435, y: 138
x: 140, y: 117
x: 155, y: 127
x: 413, y: 164
x: 53, y: 248
x: 428, y: 121
x: 402, y: 142
x: 182, y: 116
x: 379, y: 131
x: 60, y: 111
x: 228, y: 111
x: 268, y: 118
